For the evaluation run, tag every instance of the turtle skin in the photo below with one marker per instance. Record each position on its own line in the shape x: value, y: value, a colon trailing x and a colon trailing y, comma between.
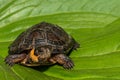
x: 42, y: 44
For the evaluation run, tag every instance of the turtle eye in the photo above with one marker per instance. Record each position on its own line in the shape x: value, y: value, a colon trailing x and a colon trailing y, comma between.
x: 38, y: 51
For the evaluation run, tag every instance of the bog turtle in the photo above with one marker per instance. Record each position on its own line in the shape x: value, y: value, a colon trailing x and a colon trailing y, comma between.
x: 42, y: 44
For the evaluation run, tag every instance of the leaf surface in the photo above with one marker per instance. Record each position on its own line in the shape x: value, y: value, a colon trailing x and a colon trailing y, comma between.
x: 95, y: 24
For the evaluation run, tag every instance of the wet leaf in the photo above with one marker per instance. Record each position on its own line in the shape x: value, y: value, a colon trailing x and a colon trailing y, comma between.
x: 95, y: 24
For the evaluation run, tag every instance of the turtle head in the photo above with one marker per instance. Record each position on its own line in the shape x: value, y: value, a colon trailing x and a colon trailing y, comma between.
x: 40, y: 54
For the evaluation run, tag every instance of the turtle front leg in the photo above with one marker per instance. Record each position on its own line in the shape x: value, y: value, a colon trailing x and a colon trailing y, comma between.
x: 63, y: 60
x: 15, y: 58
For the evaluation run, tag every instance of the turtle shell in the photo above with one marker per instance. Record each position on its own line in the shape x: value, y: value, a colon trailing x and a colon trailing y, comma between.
x: 45, y: 34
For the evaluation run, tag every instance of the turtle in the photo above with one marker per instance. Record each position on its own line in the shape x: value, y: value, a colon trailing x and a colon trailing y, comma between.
x: 42, y: 44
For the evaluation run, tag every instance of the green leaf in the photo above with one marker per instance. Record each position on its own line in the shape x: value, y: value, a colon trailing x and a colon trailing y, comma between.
x: 95, y: 24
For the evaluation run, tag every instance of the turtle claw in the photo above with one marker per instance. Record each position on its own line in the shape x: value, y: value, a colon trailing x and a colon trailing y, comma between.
x: 63, y: 60
x: 76, y: 45
x: 12, y: 59
x: 68, y: 65
x: 9, y: 61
